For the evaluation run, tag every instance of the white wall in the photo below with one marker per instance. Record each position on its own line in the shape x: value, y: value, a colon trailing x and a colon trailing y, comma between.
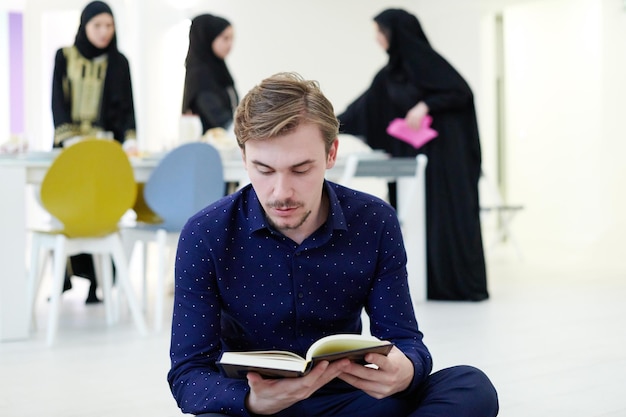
x: 554, y: 81
x: 563, y: 141
x: 611, y: 145
x: 565, y: 66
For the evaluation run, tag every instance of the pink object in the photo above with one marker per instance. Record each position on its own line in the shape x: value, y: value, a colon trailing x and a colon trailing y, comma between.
x: 416, y: 138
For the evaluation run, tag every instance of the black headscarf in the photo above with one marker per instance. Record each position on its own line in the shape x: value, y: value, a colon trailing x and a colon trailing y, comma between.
x: 86, y: 48
x: 205, y: 70
x: 411, y: 56
x: 404, y: 33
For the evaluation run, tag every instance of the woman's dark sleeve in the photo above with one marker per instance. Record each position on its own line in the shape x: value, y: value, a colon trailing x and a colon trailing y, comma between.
x: 127, y: 104
x: 118, y: 109
x: 61, y: 102
x: 61, y: 106
x: 353, y: 119
x: 212, y: 110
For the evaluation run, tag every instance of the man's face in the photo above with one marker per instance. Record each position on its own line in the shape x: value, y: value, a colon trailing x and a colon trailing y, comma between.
x: 287, y: 173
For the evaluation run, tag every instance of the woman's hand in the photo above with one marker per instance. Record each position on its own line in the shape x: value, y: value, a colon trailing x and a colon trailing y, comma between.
x: 416, y: 114
x: 130, y: 147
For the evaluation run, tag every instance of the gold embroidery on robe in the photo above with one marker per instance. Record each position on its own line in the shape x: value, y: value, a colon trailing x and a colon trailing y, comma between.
x: 84, y: 87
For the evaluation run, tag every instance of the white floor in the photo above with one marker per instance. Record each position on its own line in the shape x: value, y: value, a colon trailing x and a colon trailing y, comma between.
x: 552, y: 338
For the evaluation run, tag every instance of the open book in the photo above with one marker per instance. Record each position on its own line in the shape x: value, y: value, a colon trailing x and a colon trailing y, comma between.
x: 276, y: 363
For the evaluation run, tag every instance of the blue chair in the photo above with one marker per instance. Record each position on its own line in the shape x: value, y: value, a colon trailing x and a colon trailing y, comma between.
x: 186, y: 180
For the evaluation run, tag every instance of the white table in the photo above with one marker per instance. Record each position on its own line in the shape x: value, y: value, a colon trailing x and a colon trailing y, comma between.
x: 16, y: 173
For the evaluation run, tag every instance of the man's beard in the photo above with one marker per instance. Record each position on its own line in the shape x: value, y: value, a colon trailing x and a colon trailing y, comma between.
x: 286, y: 203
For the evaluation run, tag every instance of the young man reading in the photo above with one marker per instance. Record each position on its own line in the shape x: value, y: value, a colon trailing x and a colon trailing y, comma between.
x: 292, y: 258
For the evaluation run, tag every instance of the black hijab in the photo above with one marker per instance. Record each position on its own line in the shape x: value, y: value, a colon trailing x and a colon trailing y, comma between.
x: 205, y: 70
x: 404, y: 34
x: 86, y: 48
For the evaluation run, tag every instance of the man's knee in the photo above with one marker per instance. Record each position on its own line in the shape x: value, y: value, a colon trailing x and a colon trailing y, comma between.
x: 468, y: 388
x: 483, y: 396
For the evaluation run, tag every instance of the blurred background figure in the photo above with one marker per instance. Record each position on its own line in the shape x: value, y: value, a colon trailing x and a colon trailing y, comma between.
x: 92, y: 97
x: 91, y: 87
x: 417, y: 81
x: 209, y: 90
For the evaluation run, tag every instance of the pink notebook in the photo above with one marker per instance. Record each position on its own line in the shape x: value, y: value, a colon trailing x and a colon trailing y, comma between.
x: 416, y: 138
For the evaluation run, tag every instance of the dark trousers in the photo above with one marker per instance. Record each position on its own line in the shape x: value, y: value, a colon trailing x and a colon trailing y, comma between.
x: 82, y: 265
x: 461, y: 391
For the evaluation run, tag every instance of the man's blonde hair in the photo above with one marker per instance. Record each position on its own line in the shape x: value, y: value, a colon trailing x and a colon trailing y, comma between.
x: 279, y: 104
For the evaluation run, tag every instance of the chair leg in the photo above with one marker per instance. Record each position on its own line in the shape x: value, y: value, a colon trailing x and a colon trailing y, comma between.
x: 136, y: 247
x: 505, y: 233
x: 37, y: 266
x: 107, y: 286
x: 58, y: 276
x: 123, y: 279
x: 144, y: 274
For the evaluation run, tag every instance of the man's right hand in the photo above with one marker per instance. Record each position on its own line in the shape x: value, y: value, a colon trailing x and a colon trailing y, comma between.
x: 269, y: 396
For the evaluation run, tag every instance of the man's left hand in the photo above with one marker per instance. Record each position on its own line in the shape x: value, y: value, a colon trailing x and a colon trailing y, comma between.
x: 394, y: 374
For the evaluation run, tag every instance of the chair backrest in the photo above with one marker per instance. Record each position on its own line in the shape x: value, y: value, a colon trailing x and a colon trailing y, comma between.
x: 187, y: 179
x: 89, y: 187
x: 143, y: 212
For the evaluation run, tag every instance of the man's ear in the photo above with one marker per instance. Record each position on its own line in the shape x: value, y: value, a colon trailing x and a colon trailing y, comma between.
x: 332, y: 154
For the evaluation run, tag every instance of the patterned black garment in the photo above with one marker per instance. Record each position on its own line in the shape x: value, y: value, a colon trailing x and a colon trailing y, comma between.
x: 91, y: 87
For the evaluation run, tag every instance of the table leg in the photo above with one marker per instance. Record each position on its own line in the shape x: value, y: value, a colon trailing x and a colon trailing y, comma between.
x: 14, y: 323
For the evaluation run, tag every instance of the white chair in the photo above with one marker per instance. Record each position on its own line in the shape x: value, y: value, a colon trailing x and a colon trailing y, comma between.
x: 352, y: 150
x: 186, y: 180
x: 412, y: 216
x: 492, y: 203
x: 88, y: 188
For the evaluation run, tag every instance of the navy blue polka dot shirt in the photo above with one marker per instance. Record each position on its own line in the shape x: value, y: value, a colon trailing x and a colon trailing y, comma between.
x: 242, y: 285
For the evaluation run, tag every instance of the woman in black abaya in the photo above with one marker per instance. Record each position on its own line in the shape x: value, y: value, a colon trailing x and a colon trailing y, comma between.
x: 209, y: 90
x: 417, y: 81
x: 91, y: 94
x: 91, y: 85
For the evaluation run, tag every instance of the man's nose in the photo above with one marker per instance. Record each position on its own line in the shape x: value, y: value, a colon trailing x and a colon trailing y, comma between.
x: 283, y: 187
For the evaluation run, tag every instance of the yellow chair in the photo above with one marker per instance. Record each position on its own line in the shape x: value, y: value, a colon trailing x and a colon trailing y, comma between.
x: 88, y: 188
x: 143, y: 212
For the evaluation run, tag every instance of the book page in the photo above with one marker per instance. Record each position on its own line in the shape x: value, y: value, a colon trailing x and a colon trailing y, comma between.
x: 240, y: 371
x: 342, y: 343
x: 265, y: 359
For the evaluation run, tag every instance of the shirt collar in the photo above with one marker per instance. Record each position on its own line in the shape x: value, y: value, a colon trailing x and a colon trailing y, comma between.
x: 256, y: 216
